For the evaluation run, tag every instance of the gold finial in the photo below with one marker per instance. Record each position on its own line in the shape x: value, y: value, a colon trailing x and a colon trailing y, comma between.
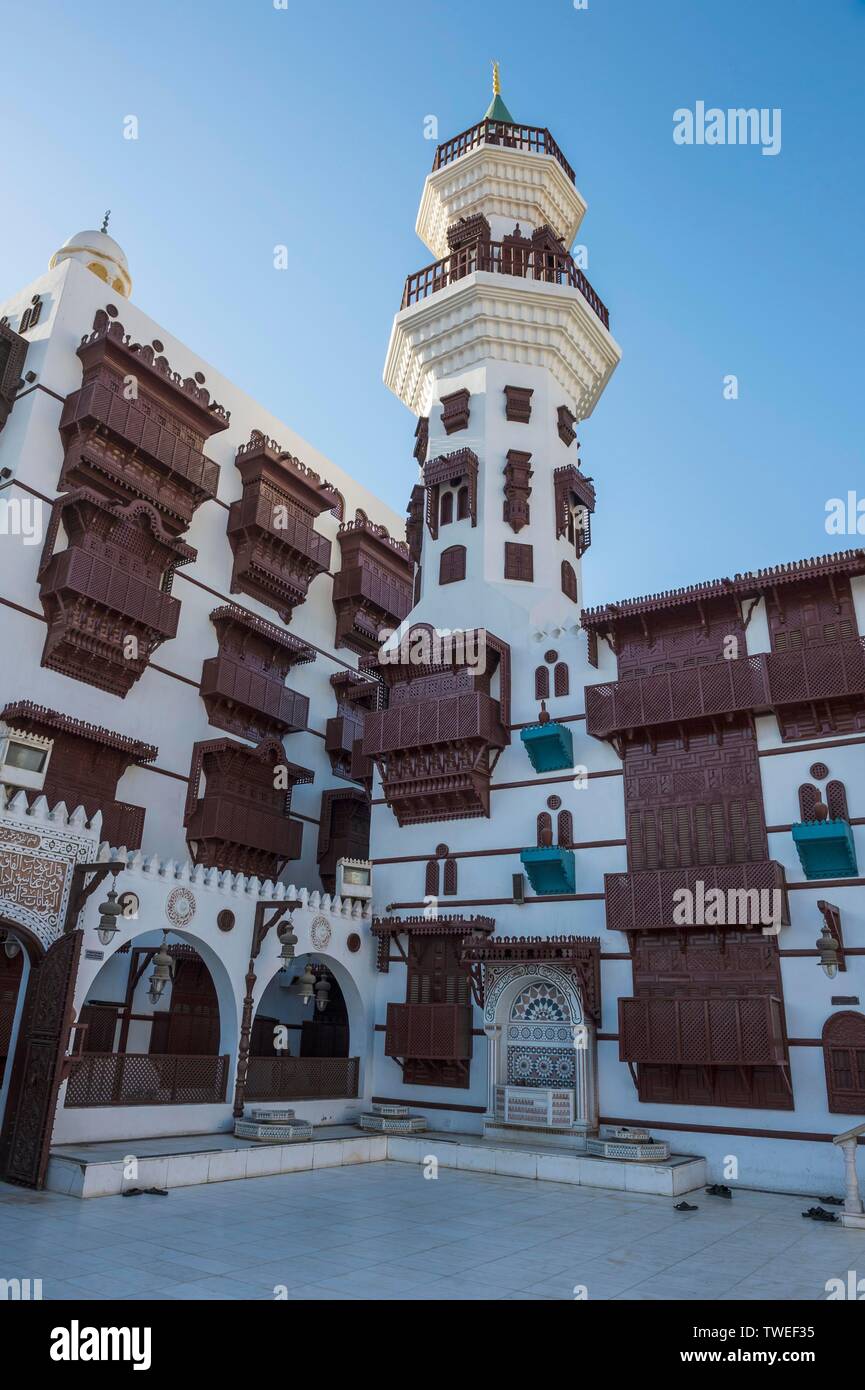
x: 497, y: 86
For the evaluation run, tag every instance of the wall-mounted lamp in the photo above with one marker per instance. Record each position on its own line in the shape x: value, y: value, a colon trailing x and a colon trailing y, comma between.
x: 830, y: 942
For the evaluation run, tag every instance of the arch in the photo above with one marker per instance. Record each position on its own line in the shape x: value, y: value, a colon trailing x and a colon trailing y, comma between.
x: 836, y: 800
x: 505, y: 988
x: 357, y: 1022
x: 542, y: 683
x: 561, y: 679
x: 844, y: 1059
x: 569, y: 581
x: 808, y: 798
x: 452, y: 564
x: 446, y: 509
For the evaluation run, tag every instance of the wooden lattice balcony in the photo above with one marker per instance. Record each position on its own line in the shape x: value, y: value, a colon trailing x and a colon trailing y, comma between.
x: 732, y: 1030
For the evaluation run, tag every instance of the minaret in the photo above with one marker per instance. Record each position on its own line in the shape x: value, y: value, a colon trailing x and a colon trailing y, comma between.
x: 500, y: 347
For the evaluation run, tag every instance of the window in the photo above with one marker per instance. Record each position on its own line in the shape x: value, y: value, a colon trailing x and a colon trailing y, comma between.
x: 542, y: 683
x: 447, y: 509
x: 431, y: 881
x: 565, y: 829
x: 519, y: 563
x: 561, y: 682
x: 569, y: 581
x: 452, y: 564
x: 844, y: 1059
x: 450, y: 886
x: 836, y: 799
x: 808, y: 798
x: 545, y: 826
x: 463, y: 504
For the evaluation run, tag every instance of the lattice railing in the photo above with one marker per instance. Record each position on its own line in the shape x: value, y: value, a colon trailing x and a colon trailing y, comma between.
x: 736, y: 1030
x: 426, y: 723
x: 302, y: 1078
x: 648, y: 899
x: 137, y: 1078
x: 535, y: 139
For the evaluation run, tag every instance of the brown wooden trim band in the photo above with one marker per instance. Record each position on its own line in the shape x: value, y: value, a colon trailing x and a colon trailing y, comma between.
x: 37, y: 386
x: 488, y: 853
x: 809, y: 747
x: 502, y: 902
x: 428, y: 1104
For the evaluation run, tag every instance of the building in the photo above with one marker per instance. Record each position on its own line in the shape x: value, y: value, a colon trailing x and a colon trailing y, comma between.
x: 612, y: 848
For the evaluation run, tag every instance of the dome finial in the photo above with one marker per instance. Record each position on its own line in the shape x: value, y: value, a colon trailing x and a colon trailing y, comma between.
x: 104, y: 227
x: 497, y: 111
x: 497, y: 86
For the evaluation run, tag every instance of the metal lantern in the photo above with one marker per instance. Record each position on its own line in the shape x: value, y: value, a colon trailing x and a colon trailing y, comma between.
x: 163, y: 973
x: 306, y: 984
x: 288, y: 940
x: 827, y: 947
x: 109, y: 911
x: 322, y: 992
x: 11, y: 946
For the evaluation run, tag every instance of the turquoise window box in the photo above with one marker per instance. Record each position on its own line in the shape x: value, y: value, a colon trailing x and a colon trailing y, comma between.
x: 550, y: 870
x: 826, y: 849
x: 549, y: 746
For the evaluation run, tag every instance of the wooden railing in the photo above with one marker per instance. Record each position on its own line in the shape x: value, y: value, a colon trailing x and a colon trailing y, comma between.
x: 426, y: 723
x: 736, y: 1030
x: 222, y: 676
x: 536, y: 139
x: 302, y: 1078
x: 648, y: 899
x: 140, y: 1078
x: 496, y: 257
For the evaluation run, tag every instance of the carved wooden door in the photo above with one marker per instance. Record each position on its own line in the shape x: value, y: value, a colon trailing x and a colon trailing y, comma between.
x: 38, y: 1066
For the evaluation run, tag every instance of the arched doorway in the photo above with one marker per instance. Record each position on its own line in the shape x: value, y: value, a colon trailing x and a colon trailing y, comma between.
x: 300, y: 1042
x: 151, y: 1029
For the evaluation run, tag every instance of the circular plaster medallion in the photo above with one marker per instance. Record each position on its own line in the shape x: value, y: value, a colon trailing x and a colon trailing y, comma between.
x: 551, y: 656
x: 353, y: 942
x: 225, y: 920
x: 320, y: 932
x: 554, y: 802
x: 819, y: 771
x: 180, y: 906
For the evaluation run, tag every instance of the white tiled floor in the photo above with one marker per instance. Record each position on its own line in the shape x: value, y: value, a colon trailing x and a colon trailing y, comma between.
x: 383, y: 1231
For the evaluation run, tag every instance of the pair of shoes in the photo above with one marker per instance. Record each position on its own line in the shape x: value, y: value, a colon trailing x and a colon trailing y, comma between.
x: 144, y: 1192
x: 684, y: 1206
x: 719, y: 1189
x: 818, y: 1214
x: 832, y: 1201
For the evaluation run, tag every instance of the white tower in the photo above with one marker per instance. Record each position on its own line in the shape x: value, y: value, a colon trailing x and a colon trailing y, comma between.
x: 502, y: 346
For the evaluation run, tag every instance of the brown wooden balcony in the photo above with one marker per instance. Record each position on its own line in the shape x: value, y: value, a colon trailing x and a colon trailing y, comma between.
x: 242, y: 695
x: 645, y: 900
x: 254, y: 510
x: 766, y: 681
x: 216, y: 819
x: 136, y: 1078
x: 427, y: 723
x: 77, y: 573
x: 725, y: 1031
x: 431, y: 1032
x: 496, y: 257
x: 535, y: 139
x: 96, y: 406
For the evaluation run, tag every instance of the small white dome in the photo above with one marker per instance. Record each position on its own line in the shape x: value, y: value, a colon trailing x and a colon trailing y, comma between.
x: 101, y: 254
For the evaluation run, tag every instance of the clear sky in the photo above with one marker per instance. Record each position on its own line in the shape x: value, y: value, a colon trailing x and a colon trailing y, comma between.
x: 304, y: 126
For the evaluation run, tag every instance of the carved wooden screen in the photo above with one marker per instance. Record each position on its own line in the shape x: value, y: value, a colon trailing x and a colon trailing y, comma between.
x: 519, y: 561
x: 431, y: 880
x: 561, y: 680
x: 452, y: 564
x: 435, y: 976
x: 569, y: 581
x: 542, y: 683
x: 450, y: 877
x: 38, y: 1066
x: 808, y: 798
x: 844, y: 1057
x: 836, y: 799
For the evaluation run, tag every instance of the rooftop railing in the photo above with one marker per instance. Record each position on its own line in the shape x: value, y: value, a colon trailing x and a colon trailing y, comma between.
x: 535, y: 139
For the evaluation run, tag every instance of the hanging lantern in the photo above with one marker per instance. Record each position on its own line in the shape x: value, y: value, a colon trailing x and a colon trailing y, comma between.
x: 827, y: 948
x: 322, y: 992
x: 11, y: 946
x: 163, y: 973
x: 289, y: 941
x: 109, y: 911
x: 306, y: 984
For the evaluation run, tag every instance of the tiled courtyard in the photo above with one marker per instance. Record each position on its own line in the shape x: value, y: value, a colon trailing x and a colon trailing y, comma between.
x: 383, y: 1231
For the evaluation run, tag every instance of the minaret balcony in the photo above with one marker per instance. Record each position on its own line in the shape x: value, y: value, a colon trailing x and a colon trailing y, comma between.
x: 826, y: 849
x: 701, y: 897
x: 536, y: 139
x: 499, y: 258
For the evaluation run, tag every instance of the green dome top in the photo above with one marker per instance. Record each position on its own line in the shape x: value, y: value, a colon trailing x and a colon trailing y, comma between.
x: 497, y: 111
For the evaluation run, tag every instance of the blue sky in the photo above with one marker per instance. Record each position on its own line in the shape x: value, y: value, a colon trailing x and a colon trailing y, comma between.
x: 305, y: 126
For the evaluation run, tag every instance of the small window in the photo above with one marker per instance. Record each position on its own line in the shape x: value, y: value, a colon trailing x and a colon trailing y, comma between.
x: 836, y: 800
x: 447, y: 509
x: 450, y: 877
x: 463, y: 504
x: 565, y: 829
x: 844, y: 1060
x: 542, y: 683
x: 808, y: 798
x: 569, y: 581
x: 561, y: 682
x: 452, y: 564
x: 431, y: 882
x: 545, y: 826
x: 519, y: 562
